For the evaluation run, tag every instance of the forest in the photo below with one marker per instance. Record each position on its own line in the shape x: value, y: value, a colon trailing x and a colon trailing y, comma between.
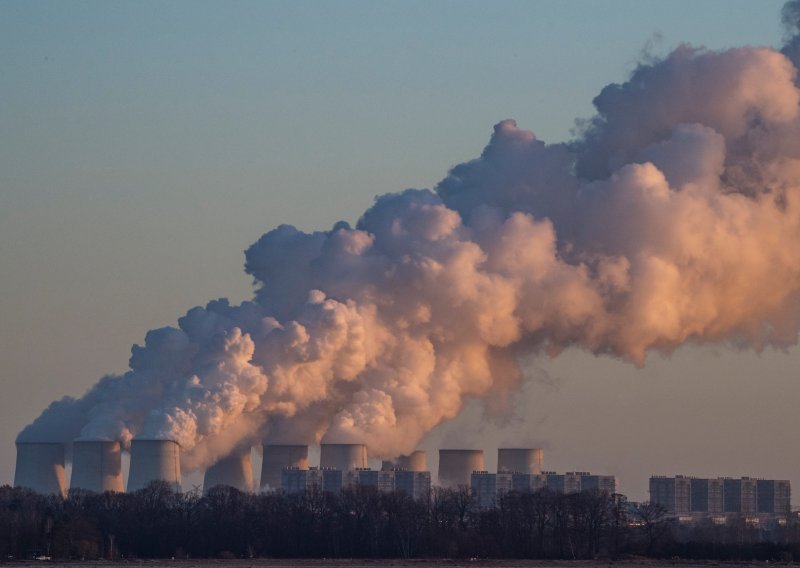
x: 361, y: 522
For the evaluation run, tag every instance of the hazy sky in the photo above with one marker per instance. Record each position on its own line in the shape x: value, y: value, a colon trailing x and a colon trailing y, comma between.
x: 144, y: 146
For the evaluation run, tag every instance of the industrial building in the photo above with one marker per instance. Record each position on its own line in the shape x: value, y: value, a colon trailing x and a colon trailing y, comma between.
x: 489, y: 487
x: 748, y: 496
x: 295, y: 480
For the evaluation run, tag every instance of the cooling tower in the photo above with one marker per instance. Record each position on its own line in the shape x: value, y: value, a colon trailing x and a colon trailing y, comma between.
x: 456, y: 466
x: 278, y: 457
x: 345, y: 457
x: 96, y: 466
x: 153, y: 460
x: 40, y: 466
x: 520, y: 460
x: 415, y: 461
x: 236, y: 470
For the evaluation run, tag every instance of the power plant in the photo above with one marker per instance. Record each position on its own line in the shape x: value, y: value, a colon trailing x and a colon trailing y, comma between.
x: 154, y: 460
x: 344, y: 457
x: 96, y: 466
x: 236, y: 471
x: 40, y: 466
x: 456, y: 466
x: 520, y: 460
x: 278, y: 457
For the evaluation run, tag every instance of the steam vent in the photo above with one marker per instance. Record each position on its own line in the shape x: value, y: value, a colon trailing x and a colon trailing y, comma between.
x: 40, y: 466
x: 520, y: 460
x: 276, y: 458
x: 236, y: 470
x: 153, y: 460
x: 345, y: 457
x: 96, y: 466
x: 456, y: 466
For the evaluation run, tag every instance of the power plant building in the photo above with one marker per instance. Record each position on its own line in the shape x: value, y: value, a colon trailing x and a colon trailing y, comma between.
x: 295, y: 480
x: 684, y: 495
x: 487, y: 488
x: 417, y: 484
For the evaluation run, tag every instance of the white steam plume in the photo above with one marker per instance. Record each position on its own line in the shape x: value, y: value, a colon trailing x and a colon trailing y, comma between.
x: 674, y: 217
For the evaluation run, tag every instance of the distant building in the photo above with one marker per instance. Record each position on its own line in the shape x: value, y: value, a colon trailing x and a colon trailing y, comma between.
x: 296, y: 480
x: 487, y: 488
x: 417, y: 484
x: 746, y: 496
x: 484, y: 488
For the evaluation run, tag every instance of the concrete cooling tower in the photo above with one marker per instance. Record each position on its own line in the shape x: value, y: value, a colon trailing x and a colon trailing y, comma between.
x: 40, y: 466
x: 520, y: 460
x: 345, y: 457
x: 236, y: 470
x: 456, y: 466
x: 415, y: 461
x: 277, y: 457
x: 153, y: 460
x: 96, y: 466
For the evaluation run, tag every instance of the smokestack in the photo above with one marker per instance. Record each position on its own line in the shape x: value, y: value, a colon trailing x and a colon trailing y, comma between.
x: 278, y: 457
x: 236, y: 471
x: 345, y: 457
x: 456, y: 466
x: 40, y: 466
x: 153, y: 460
x: 96, y: 466
x: 415, y: 461
x: 520, y: 460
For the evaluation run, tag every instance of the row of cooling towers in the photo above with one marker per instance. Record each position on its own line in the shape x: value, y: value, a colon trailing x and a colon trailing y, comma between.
x: 97, y: 465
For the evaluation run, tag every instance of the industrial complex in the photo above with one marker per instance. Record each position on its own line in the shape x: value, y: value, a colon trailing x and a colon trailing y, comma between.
x: 97, y: 466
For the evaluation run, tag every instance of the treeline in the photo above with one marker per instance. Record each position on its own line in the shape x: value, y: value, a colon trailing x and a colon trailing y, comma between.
x: 361, y: 522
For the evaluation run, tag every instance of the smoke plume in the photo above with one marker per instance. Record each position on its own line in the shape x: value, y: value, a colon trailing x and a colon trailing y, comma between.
x: 672, y: 218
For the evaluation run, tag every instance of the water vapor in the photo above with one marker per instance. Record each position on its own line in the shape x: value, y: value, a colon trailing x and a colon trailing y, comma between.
x: 673, y: 217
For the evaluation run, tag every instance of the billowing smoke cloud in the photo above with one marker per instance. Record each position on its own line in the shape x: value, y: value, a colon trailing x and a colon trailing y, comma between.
x: 673, y: 217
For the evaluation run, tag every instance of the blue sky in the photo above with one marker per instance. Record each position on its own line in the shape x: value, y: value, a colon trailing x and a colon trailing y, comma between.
x: 145, y: 144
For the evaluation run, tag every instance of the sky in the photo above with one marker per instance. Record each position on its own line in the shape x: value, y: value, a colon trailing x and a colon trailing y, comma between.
x: 145, y: 145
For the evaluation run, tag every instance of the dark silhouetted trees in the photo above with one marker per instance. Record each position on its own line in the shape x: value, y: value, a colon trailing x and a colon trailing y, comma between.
x: 364, y: 523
